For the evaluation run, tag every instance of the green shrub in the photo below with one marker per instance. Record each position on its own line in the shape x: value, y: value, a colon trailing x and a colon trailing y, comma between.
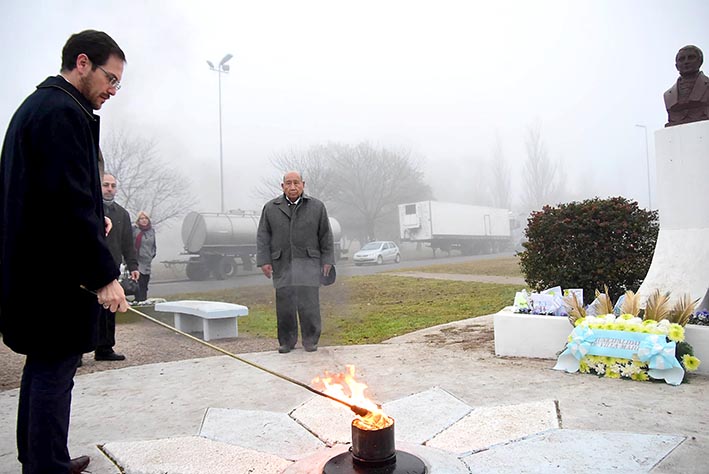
x: 590, y: 244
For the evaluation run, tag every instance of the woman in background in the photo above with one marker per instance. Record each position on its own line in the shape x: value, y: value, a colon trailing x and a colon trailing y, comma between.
x: 145, y: 250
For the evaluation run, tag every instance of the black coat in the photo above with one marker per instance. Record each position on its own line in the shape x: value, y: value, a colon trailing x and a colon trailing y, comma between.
x: 296, y: 242
x: 51, y: 224
x: 120, y: 239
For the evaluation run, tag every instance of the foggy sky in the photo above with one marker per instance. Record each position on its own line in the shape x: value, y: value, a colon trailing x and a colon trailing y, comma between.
x: 441, y: 79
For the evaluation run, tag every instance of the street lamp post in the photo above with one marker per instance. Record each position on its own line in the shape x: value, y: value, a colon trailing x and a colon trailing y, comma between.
x: 647, y: 160
x: 222, y: 68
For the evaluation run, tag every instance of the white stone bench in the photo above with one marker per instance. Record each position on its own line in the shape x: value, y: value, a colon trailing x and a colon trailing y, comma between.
x: 213, y: 319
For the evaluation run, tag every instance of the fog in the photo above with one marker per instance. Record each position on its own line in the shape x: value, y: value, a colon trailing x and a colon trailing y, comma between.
x: 442, y: 79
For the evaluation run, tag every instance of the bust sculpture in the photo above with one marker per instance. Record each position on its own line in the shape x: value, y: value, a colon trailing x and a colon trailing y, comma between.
x: 688, y: 99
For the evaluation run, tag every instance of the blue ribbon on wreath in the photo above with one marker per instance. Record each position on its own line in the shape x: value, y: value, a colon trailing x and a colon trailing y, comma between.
x: 657, y: 352
x: 580, y: 342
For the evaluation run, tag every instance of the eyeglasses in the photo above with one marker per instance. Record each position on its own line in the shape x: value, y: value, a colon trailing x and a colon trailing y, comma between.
x: 112, y: 79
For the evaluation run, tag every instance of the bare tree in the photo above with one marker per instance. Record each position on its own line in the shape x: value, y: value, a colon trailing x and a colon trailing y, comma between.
x: 500, y: 183
x: 372, y: 182
x: 315, y: 169
x: 361, y: 185
x: 543, y: 179
x: 146, y: 183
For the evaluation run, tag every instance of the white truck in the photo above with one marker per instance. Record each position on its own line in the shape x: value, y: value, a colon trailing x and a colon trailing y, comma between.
x: 447, y: 226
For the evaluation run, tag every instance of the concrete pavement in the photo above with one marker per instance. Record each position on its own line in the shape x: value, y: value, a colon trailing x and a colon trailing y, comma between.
x: 167, y: 401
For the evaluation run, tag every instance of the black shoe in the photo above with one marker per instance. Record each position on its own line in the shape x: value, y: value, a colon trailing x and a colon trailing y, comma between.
x: 284, y: 349
x: 109, y: 356
x: 310, y: 348
x: 77, y: 465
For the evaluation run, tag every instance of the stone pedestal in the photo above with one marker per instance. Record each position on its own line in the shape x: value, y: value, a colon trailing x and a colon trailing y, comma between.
x: 680, y: 263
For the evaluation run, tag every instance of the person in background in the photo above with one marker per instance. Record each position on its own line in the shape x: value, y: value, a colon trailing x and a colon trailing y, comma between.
x: 145, y: 249
x: 294, y: 245
x: 50, y: 187
x: 120, y: 242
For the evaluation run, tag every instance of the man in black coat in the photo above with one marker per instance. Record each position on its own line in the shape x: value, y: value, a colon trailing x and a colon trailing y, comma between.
x: 50, y: 193
x: 120, y: 243
x: 294, y: 245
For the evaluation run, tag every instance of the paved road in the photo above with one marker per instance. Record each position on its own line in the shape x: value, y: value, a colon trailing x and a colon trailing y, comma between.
x: 163, y: 289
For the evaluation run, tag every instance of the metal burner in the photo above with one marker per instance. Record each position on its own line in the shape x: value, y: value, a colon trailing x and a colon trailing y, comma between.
x: 374, y: 452
x: 403, y: 463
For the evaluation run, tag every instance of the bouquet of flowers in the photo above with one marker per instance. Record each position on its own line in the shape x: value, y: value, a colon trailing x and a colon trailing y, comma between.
x: 627, y: 345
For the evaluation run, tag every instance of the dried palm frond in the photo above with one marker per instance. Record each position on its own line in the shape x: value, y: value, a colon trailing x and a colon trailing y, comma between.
x: 603, y: 303
x: 683, y: 310
x: 657, y: 306
x: 574, y: 308
x: 631, y: 304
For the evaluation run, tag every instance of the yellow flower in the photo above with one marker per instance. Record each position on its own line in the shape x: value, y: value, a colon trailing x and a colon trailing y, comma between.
x: 640, y: 376
x: 583, y: 367
x: 676, y: 333
x: 690, y: 363
x: 626, y: 316
x: 612, y: 374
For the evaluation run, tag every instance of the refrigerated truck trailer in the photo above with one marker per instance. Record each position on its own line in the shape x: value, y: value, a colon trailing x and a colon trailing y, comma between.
x: 450, y: 226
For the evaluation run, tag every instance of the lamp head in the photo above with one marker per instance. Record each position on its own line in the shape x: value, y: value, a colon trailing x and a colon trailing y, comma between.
x: 225, y: 59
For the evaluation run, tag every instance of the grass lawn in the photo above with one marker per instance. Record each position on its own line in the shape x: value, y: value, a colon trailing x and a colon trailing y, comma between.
x: 370, y: 309
x: 505, y: 266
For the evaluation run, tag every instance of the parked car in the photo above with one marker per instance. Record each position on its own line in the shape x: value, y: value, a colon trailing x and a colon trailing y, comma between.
x: 377, y: 252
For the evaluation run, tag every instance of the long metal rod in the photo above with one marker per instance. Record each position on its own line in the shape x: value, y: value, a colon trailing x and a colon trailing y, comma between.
x: 357, y: 410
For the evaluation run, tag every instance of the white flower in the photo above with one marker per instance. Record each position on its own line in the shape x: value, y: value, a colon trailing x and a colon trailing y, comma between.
x: 629, y: 369
x: 664, y: 326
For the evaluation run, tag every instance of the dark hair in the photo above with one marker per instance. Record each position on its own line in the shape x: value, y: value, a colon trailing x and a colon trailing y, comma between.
x: 97, y: 45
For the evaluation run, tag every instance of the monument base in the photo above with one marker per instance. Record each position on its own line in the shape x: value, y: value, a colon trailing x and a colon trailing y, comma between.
x: 680, y: 263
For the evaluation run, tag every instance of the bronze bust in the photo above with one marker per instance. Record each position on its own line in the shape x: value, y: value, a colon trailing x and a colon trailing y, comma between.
x: 688, y: 99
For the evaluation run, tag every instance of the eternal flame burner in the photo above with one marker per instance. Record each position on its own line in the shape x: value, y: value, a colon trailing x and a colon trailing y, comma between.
x: 374, y: 452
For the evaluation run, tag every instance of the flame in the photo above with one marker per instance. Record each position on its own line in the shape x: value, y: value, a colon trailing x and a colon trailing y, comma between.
x: 345, y: 387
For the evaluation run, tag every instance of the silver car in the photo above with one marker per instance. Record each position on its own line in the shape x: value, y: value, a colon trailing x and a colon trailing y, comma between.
x: 377, y: 252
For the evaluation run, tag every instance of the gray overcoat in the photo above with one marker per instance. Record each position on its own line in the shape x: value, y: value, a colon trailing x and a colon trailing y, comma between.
x: 296, y: 240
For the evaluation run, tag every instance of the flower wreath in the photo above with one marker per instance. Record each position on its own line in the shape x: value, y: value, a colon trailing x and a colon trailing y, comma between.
x: 627, y: 346
x: 671, y: 343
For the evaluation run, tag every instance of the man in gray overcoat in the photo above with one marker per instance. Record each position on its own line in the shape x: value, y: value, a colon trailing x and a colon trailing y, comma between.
x: 295, y: 246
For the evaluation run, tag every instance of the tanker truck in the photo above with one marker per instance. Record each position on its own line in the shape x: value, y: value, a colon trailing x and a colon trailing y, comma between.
x: 214, y: 241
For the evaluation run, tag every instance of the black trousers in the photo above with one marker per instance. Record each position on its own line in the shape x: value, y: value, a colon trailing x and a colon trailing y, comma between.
x: 43, y: 414
x: 106, y: 331
x: 142, y: 293
x: 295, y: 303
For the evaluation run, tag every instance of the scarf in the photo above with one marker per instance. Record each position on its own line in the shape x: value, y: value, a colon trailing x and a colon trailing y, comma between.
x: 139, y: 237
